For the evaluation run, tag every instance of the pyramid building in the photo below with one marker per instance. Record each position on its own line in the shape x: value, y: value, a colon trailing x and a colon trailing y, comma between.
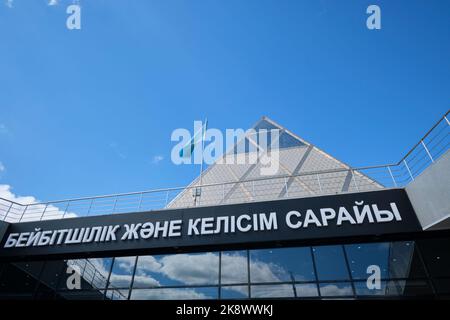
x: 304, y: 170
x: 315, y: 228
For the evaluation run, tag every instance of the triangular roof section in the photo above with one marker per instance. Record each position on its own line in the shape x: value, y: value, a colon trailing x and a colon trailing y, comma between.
x: 304, y: 170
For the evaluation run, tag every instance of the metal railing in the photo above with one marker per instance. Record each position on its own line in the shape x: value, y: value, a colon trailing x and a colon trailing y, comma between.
x: 95, y: 276
x: 429, y: 148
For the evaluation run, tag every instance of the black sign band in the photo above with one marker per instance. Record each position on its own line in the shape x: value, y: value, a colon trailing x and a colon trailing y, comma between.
x: 345, y: 215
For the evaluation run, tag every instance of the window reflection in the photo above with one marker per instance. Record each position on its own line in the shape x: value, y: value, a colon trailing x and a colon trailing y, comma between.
x: 93, y: 273
x: 361, y: 256
x: 274, y: 273
x: 306, y: 290
x: 272, y: 291
x: 330, y: 263
x: 336, y: 289
x: 281, y: 265
x: 122, y: 272
x: 174, y: 294
x: 394, y: 259
x: 394, y: 288
x: 234, y: 267
x: 177, y: 269
x: 117, y: 294
x: 234, y: 292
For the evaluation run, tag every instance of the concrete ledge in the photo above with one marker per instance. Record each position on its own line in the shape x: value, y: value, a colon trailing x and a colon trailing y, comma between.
x: 429, y: 194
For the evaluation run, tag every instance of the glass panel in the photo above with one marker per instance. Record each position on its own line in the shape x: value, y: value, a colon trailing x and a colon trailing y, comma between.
x: 19, y: 277
x: 93, y: 273
x: 411, y: 288
x: 286, y: 140
x: 117, y: 294
x: 336, y: 289
x: 281, y: 265
x: 307, y: 290
x: 234, y: 267
x: 272, y: 291
x: 394, y: 288
x: 122, y: 272
x: 436, y: 254
x: 330, y: 263
x: 174, y: 293
x: 51, y: 273
x: 82, y: 295
x: 404, y: 261
x: 176, y: 269
x: 442, y: 286
x: 362, y: 289
x: 234, y: 292
x: 361, y: 256
x: 395, y: 260
x: 33, y: 268
x: 44, y: 293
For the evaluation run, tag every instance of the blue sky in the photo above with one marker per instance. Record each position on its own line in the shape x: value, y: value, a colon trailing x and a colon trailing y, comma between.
x: 86, y: 112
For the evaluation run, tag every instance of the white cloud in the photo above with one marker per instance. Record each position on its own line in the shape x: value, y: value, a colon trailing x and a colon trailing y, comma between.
x: 6, y: 193
x: 9, y: 3
x: 191, y: 269
x: 34, y: 210
x: 334, y: 290
x: 157, y: 159
x: 52, y: 2
x: 167, y: 294
x: 2, y: 167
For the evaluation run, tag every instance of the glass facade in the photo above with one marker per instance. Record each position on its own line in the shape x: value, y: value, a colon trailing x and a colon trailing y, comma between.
x: 401, y: 269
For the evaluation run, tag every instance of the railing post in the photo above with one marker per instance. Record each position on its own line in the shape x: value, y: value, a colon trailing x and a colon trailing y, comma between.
x: 114, y: 206
x: 140, y: 201
x: 43, y: 212
x: 392, y: 176
x: 320, y: 185
x: 426, y: 149
x: 23, y: 213
x: 167, y: 198
x: 90, y: 207
x: 406, y: 165
x: 7, y: 212
x: 65, y: 210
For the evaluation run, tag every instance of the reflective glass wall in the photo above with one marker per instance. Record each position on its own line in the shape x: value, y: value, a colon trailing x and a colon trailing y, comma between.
x: 402, y: 269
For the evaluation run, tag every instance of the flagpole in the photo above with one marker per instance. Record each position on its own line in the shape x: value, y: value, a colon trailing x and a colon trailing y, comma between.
x: 203, y: 146
x: 201, y: 164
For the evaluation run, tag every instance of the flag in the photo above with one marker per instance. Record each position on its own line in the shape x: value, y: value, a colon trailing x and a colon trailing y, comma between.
x: 199, y: 136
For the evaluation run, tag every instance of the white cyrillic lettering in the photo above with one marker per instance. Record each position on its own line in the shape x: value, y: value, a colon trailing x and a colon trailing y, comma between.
x: 239, y: 223
x: 289, y: 223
